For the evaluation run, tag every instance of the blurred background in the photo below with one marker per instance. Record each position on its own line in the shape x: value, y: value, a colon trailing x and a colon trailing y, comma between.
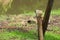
x: 18, y: 20
x: 21, y: 6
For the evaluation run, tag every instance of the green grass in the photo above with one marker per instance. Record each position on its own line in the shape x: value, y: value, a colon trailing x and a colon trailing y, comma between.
x: 55, y: 12
x: 17, y: 35
x: 52, y: 36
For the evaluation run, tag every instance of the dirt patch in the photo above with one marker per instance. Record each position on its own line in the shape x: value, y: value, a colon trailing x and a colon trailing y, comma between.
x: 54, y: 24
x: 27, y: 22
x: 55, y: 20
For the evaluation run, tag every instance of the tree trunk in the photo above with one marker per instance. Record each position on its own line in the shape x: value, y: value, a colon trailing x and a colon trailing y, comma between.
x: 47, y: 15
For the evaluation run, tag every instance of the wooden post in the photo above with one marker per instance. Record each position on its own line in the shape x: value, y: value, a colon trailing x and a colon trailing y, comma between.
x: 39, y: 23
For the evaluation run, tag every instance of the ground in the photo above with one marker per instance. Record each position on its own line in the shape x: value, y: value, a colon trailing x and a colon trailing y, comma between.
x: 24, y: 27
